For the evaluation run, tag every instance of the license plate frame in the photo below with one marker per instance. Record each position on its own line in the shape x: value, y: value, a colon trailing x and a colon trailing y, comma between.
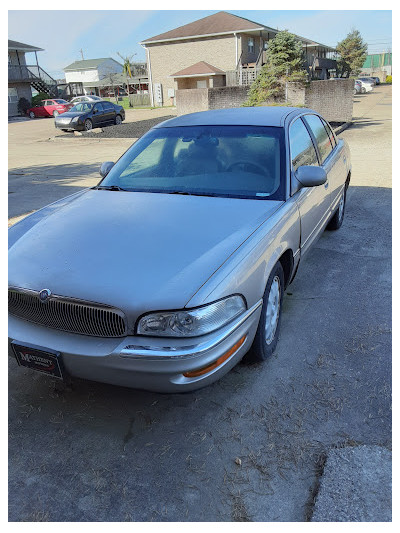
x: 40, y: 359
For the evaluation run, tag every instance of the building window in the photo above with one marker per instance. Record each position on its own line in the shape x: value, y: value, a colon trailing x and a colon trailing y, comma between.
x: 250, y: 45
x: 12, y: 95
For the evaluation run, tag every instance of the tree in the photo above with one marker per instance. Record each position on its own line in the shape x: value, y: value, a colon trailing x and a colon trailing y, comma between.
x: 127, y: 71
x: 111, y: 77
x: 352, y: 54
x: 284, y: 62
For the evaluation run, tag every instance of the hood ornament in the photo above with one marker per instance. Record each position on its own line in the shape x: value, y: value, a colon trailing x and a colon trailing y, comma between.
x: 44, y: 295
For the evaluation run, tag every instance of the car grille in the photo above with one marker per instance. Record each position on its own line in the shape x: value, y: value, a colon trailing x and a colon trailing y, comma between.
x: 74, y: 316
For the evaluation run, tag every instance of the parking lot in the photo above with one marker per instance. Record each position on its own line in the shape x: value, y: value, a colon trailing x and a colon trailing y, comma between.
x: 251, y: 446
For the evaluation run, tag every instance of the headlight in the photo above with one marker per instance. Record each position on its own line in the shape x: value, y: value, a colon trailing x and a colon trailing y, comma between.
x: 74, y: 120
x: 192, y: 322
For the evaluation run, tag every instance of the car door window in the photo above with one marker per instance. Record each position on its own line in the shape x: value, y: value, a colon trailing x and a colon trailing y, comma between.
x: 320, y: 134
x: 331, y: 135
x: 99, y: 108
x: 302, y: 150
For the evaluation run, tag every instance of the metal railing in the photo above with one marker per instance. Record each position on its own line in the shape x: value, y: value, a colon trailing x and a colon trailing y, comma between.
x: 29, y: 73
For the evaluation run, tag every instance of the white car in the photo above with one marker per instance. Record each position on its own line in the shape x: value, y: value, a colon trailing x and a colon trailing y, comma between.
x: 85, y: 98
x: 366, y: 86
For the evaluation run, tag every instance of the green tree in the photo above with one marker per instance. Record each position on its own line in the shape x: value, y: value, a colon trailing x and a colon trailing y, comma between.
x: 352, y: 54
x: 284, y: 62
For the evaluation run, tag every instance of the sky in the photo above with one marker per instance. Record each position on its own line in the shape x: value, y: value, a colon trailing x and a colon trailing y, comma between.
x: 62, y: 34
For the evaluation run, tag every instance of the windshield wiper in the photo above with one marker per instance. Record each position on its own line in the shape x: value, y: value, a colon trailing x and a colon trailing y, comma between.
x: 192, y: 193
x: 109, y: 188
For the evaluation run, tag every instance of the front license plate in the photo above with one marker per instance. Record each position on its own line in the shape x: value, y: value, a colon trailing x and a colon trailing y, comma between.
x: 45, y: 362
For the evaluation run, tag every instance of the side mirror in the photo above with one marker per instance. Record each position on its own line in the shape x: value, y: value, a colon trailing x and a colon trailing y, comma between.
x: 309, y: 176
x: 105, y: 168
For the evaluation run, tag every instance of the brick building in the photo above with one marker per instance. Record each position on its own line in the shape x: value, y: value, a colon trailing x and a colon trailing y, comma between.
x: 218, y: 50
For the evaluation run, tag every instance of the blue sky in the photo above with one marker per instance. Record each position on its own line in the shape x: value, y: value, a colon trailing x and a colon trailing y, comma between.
x: 104, y: 33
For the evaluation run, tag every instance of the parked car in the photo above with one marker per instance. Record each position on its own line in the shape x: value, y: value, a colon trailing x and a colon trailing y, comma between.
x: 368, y: 79
x: 357, y: 87
x: 366, y: 86
x: 49, y: 108
x: 376, y: 79
x: 164, y: 275
x: 85, y: 98
x: 89, y: 115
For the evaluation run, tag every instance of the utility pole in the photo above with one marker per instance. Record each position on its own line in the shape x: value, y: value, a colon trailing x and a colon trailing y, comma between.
x: 81, y: 51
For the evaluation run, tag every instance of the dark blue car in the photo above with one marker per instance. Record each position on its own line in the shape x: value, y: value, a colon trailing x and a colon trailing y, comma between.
x: 88, y: 115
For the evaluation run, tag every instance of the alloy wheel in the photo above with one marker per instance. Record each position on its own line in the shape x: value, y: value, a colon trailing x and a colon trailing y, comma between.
x: 273, y: 309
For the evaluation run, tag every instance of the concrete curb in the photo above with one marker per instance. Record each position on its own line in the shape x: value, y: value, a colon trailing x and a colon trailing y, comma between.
x: 356, y: 486
x: 343, y: 127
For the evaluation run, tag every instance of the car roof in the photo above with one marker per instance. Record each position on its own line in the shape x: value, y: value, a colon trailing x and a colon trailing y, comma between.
x: 237, y: 116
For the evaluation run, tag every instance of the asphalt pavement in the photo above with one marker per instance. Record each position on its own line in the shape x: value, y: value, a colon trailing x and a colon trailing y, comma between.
x: 255, y: 445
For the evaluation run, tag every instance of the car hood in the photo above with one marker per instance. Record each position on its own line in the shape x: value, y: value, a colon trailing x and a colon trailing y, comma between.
x: 135, y: 251
x: 72, y: 114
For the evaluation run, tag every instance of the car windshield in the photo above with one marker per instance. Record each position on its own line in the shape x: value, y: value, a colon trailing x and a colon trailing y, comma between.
x: 82, y: 107
x: 226, y: 161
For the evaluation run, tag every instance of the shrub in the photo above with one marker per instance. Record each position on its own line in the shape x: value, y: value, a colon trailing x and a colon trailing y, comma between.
x: 388, y: 79
x: 23, y: 106
x: 36, y: 100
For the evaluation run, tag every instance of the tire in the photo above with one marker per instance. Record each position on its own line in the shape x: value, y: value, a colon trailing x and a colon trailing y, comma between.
x: 337, y: 220
x: 55, y: 114
x: 32, y: 114
x: 88, y: 124
x: 363, y: 90
x: 118, y: 120
x: 266, y: 338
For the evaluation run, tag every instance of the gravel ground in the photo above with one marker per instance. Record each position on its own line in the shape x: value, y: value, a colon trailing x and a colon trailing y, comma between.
x: 128, y: 129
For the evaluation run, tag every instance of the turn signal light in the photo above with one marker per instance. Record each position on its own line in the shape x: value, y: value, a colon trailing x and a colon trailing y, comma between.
x: 218, y: 362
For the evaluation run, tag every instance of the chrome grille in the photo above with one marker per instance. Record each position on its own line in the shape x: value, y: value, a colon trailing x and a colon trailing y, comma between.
x: 74, y: 316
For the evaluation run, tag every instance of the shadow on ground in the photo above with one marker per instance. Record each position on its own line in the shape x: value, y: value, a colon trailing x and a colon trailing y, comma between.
x: 31, y: 188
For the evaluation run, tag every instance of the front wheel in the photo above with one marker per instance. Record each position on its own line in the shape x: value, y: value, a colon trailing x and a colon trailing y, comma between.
x: 337, y: 219
x: 55, y: 114
x: 32, y: 114
x: 88, y: 124
x: 266, y: 338
x: 118, y: 120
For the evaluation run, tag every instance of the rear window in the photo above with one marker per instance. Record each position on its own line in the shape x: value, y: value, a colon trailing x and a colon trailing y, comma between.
x: 227, y: 161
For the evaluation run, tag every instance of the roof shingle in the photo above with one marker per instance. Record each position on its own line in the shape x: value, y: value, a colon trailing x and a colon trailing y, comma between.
x: 197, y: 69
x: 221, y: 22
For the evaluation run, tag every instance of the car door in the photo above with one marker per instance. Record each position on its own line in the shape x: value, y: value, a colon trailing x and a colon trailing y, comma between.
x: 109, y: 112
x: 331, y: 155
x: 313, y: 202
x: 40, y: 109
x: 98, y: 115
x: 49, y: 107
x: 338, y: 164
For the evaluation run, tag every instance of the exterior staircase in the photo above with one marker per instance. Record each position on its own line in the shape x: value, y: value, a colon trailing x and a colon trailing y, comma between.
x: 36, y: 76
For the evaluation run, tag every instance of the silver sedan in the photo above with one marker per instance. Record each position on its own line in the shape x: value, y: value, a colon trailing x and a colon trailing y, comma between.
x: 171, y: 269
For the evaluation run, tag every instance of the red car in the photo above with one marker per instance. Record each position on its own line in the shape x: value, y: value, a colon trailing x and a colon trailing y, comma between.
x: 49, y: 108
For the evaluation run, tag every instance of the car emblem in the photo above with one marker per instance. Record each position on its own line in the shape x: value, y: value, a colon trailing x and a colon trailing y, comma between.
x: 44, y: 294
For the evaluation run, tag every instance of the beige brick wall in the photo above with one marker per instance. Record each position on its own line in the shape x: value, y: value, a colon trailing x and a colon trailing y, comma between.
x: 193, y: 100
x: 166, y: 59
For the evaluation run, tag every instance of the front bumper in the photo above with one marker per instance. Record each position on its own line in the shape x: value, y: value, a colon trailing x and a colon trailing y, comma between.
x: 63, y: 125
x: 149, y: 363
